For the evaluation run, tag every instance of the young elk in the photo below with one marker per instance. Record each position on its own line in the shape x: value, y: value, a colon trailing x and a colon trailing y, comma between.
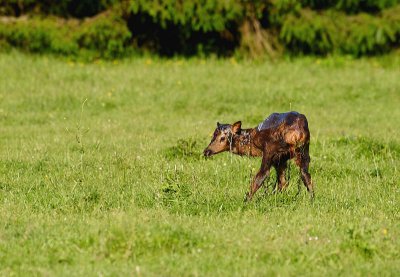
x: 279, y: 138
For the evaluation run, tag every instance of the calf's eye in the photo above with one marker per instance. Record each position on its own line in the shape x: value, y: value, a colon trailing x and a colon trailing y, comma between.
x: 222, y: 139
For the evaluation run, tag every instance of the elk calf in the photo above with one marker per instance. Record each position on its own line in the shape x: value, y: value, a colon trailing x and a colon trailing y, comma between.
x: 279, y: 138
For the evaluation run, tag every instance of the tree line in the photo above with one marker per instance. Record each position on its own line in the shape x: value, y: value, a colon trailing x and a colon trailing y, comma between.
x: 115, y: 28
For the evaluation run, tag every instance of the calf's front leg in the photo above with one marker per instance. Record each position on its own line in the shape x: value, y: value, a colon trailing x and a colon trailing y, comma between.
x: 260, y: 177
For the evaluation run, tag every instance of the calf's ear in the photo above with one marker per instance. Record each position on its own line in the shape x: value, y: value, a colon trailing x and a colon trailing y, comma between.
x: 236, y: 127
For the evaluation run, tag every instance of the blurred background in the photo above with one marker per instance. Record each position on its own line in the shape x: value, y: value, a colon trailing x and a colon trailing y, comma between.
x: 92, y: 29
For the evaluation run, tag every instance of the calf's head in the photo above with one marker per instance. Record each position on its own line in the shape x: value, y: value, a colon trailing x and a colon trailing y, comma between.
x: 222, y: 138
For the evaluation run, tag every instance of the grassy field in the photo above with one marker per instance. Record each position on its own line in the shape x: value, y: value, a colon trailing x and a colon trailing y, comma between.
x: 101, y: 170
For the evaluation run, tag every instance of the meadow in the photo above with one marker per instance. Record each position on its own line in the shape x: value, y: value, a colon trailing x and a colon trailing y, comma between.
x: 102, y: 174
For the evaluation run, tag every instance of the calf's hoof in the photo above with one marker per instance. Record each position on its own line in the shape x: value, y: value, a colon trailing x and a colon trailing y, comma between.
x: 312, y: 196
x: 247, y: 197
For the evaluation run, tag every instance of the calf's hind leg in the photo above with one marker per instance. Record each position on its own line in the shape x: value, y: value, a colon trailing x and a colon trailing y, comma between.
x: 303, y: 161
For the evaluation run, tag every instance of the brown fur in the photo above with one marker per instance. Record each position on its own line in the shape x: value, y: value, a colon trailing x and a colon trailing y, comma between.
x: 278, y: 139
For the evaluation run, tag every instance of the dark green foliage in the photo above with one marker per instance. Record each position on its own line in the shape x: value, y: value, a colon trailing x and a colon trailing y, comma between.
x: 277, y: 12
x: 105, y: 34
x: 39, y: 36
x: 392, y: 17
x: 351, y: 6
x: 202, y: 27
x: 63, y: 8
x: 16, y: 7
x: 102, y: 36
x: 363, y: 34
x: 309, y: 33
x: 198, y: 14
x: 186, y: 27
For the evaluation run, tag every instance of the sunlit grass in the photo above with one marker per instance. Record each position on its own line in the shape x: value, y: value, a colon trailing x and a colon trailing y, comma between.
x: 101, y: 170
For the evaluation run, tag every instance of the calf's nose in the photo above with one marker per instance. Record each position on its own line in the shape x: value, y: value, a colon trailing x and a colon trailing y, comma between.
x: 207, y: 152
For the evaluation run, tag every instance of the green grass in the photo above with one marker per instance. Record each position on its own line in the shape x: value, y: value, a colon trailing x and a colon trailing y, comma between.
x: 101, y: 170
